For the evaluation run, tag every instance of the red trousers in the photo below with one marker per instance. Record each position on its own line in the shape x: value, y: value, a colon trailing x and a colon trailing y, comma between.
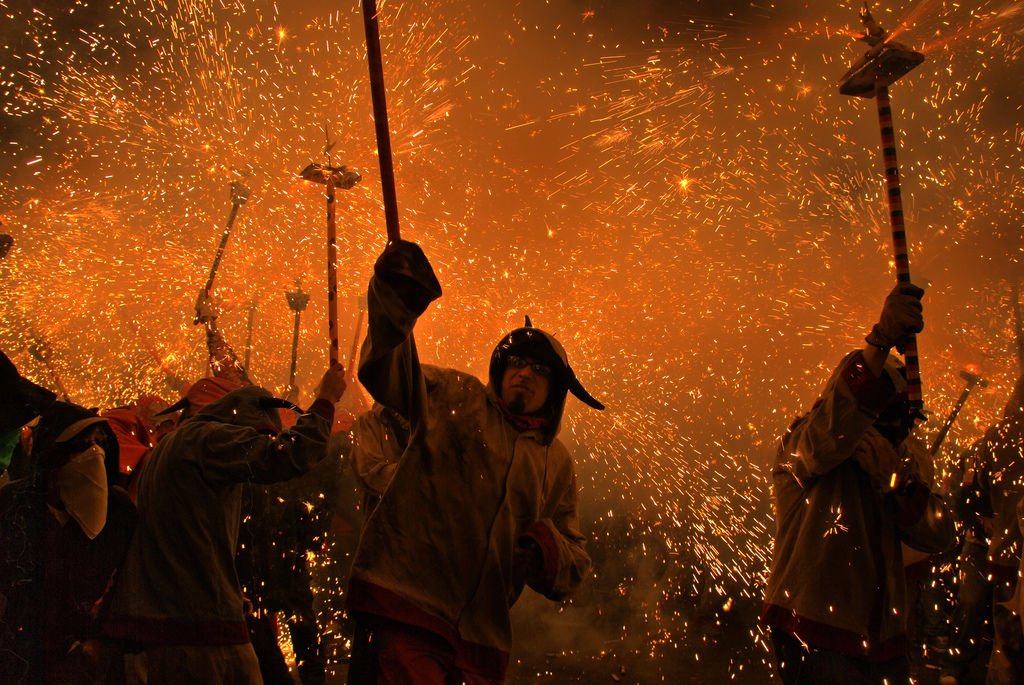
x: 386, y: 652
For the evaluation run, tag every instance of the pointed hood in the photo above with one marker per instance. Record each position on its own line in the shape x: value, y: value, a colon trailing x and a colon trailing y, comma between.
x: 543, y: 347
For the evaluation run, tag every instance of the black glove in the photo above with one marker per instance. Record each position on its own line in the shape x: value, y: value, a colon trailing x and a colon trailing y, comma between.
x: 405, y: 268
x: 900, y: 318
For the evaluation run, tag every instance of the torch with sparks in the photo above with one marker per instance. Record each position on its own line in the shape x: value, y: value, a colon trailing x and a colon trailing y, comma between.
x: 239, y: 194
x: 297, y: 302
x: 333, y: 177
x: 972, y: 379
x: 870, y: 76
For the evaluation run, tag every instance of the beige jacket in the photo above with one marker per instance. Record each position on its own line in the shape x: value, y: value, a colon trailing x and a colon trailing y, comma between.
x: 437, y: 551
x: 837, y: 569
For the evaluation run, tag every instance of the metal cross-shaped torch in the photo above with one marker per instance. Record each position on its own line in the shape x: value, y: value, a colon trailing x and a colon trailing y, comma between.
x: 869, y: 77
x: 333, y: 177
x: 297, y: 302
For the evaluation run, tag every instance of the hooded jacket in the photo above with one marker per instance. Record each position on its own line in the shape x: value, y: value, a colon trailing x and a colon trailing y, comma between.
x: 52, y: 575
x: 178, y: 584
x: 837, y: 569
x: 437, y: 551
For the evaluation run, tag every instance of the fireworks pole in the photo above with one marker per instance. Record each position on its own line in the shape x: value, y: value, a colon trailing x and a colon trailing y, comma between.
x: 870, y: 76
x: 297, y: 302
x: 333, y: 177
x: 380, y: 119
x: 248, y: 337
x: 1017, y: 327
x: 972, y: 379
x: 239, y: 194
x: 40, y: 350
x: 355, y: 337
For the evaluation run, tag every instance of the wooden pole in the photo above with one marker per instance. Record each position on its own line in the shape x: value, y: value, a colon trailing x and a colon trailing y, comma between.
x: 899, y: 232
x: 332, y: 273
x: 380, y: 119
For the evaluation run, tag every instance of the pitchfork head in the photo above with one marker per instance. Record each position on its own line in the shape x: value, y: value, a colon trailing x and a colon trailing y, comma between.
x: 319, y: 173
x: 973, y: 379
x: 885, y: 62
x: 239, y: 193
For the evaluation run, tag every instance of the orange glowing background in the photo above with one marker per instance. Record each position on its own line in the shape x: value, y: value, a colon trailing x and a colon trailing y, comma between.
x: 676, y: 189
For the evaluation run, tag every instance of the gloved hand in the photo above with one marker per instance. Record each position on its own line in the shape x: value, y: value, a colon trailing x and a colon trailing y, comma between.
x: 901, y: 317
x: 332, y: 385
x: 528, y: 562
x: 405, y: 268
x: 206, y: 308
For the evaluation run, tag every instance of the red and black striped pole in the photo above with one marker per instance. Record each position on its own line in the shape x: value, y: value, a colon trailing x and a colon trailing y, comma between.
x: 870, y: 77
x: 899, y: 231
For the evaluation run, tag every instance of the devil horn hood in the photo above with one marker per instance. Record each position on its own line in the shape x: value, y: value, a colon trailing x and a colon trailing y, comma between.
x: 533, y: 342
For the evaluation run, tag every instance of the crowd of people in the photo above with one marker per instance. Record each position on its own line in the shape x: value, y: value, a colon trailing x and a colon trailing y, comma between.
x: 159, y: 543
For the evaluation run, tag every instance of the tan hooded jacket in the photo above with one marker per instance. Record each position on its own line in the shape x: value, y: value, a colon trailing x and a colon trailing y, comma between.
x: 837, y: 569
x: 437, y: 552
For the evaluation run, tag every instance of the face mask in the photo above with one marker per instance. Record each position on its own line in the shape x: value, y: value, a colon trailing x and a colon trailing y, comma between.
x: 82, y: 484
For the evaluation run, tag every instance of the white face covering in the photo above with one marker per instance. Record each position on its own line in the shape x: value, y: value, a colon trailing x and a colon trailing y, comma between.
x: 82, y: 484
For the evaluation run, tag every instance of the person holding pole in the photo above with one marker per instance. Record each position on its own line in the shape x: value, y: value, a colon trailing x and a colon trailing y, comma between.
x: 178, y: 592
x: 846, y: 496
x: 482, y: 501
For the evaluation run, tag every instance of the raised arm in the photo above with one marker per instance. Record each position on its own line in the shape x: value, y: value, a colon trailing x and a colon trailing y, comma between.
x: 402, y: 286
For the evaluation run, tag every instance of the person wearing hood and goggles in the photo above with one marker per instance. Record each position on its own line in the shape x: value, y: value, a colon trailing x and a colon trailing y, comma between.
x: 482, y: 502
x: 63, y: 533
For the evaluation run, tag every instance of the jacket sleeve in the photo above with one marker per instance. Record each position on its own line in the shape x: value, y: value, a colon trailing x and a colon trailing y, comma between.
x: 566, y: 562
x: 240, y: 454
x: 402, y: 287
x: 828, y: 435
x: 373, y: 457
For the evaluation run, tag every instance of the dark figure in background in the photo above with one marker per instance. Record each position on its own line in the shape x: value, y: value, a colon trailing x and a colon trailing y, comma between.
x: 283, y: 523
x: 1003, y: 479
x: 972, y: 609
x: 64, y: 532
x: 844, y: 501
x: 482, y: 502
x: 179, y: 593
x: 21, y: 403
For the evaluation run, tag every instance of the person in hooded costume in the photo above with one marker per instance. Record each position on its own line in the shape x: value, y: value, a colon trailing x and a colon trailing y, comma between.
x: 64, y: 532
x: 1000, y: 479
x: 483, y: 500
x: 179, y: 593
x: 845, y: 498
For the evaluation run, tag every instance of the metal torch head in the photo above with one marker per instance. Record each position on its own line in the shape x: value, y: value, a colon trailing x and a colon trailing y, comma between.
x: 319, y: 173
x: 884, y: 63
x: 297, y: 301
x: 239, y: 193
x: 973, y: 378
